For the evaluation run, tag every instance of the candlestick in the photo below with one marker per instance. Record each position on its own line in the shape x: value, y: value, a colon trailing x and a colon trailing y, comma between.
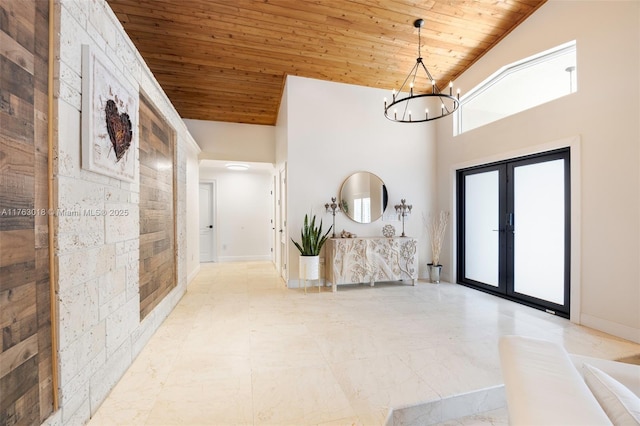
x: 403, y: 209
x: 332, y: 208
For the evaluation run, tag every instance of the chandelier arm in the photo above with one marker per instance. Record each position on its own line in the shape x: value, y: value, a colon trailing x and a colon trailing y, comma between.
x: 430, y: 77
x: 406, y: 108
x: 411, y: 95
x: 413, y: 72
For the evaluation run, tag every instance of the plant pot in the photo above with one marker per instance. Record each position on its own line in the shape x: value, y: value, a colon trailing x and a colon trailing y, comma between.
x: 434, y: 272
x: 309, y: 268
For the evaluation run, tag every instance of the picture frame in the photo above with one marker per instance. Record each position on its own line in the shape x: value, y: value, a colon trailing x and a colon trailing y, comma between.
x: 110, y: 105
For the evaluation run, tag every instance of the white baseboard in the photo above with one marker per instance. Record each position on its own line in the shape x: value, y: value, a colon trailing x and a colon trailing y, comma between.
x: 614, y: 328
x: 310, y: 284
x: 266, y: 257
x: 193, y: 274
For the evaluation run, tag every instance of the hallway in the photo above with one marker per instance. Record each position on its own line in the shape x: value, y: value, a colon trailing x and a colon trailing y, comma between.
x: 242, y: 349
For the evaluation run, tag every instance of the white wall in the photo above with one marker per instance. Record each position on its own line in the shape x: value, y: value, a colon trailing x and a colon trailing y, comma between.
x: 337, y: 129
x: 244, y: 210
x: 98, y: 300
x: 233, y: 141
x: 193, y: 212
x: 603, y: 116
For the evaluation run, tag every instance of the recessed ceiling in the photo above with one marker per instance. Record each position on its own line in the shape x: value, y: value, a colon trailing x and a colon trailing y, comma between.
x: 225, y: 60
x: 222, y: 165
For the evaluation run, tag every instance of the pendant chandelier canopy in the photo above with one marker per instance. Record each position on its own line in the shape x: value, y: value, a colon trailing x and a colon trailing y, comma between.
x: 412, y: 104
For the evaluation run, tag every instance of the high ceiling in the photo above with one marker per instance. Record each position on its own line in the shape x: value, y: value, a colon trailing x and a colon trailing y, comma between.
x: 227, y: 60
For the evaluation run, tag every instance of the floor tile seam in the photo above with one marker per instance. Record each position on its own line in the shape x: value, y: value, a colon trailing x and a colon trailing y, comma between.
x: 424, y: 379
x: 253, y: 408
x: 335, y: 377
x: 352, y: 401
x: 147, y: 414
x: 166, y: 371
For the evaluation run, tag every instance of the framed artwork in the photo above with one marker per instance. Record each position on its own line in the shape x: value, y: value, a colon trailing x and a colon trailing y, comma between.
x: 109, y: 120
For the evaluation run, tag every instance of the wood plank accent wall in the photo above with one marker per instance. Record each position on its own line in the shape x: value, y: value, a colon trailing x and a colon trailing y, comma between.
x: 25, y: 315
x: 157, y: 207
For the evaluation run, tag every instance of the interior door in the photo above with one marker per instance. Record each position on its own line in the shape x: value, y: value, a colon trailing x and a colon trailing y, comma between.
x: 274, y: 214
x: 514, y: 230
x: 283, y: 223
x: 207, y: 231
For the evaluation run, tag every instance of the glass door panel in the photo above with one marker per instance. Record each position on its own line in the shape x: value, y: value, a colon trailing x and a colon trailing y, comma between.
x: 538, y: 230
x: 481, y: 237
x: 514, y: 229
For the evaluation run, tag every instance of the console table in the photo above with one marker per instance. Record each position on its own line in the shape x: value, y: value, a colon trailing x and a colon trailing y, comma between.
x: 371, y: 259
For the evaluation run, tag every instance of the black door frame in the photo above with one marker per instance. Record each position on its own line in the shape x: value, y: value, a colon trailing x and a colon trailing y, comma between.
x: 505, y: 273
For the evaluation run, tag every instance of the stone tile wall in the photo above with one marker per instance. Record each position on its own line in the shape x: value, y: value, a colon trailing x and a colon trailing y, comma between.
x: 100, y: 331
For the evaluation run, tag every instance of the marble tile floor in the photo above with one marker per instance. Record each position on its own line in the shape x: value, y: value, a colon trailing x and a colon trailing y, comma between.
x: 242, y: 349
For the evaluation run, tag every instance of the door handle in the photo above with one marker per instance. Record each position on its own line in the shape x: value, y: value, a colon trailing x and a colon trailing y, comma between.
x: 510, y: 225
x: 280, y: 231
x: 210, y: 226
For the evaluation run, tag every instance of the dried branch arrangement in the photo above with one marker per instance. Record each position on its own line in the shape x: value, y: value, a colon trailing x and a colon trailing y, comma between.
x: 436, y: 226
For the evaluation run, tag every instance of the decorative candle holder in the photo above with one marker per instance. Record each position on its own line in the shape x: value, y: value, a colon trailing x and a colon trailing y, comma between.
x: 332, y: 208
x: 403, y: 210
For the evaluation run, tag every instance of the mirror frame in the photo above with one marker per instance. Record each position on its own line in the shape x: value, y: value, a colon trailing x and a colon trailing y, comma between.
x: 368, y: 177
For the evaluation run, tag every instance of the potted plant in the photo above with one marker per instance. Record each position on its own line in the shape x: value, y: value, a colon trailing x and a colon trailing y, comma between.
x: 312, y: 240
x: 436, y: 227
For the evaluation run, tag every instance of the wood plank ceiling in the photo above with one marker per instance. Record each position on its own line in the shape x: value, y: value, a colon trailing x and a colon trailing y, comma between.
x: 227, y: 60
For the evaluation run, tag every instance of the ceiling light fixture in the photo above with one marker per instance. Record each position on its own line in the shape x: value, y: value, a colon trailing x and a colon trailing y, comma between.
x: 237, y: 166
x: 420, y: 107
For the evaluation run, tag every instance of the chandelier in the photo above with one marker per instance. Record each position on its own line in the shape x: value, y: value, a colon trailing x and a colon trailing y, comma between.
x: 418, y: 107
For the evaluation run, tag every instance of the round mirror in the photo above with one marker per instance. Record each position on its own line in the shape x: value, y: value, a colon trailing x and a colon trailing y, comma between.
x: 363, y: 197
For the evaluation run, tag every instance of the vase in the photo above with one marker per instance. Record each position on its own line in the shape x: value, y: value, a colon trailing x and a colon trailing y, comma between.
x: 309, y: 269
x: 434, y: 272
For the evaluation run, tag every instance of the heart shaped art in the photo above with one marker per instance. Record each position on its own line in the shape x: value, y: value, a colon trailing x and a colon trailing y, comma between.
x: 119, y: 129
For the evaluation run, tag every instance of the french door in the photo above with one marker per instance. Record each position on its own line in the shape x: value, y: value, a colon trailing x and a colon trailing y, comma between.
x: 514, y: 230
